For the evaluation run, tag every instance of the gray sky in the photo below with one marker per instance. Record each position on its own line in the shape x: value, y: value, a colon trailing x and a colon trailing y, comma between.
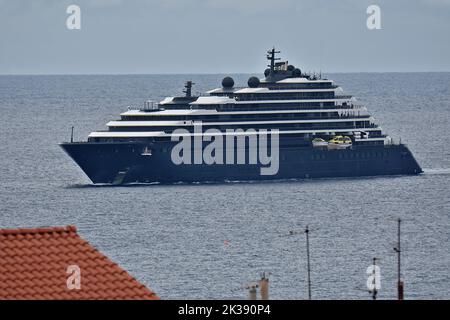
x: 219, y: 36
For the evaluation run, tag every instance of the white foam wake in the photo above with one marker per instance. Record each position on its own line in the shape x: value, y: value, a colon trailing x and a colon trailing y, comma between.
x: 436, y: 170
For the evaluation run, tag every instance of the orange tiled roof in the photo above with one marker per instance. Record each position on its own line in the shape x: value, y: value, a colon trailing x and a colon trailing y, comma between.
x: 34, y: 262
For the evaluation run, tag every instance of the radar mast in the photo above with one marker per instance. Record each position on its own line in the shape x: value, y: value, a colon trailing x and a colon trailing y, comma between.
x: 272, y: 59
x: 188, y: 87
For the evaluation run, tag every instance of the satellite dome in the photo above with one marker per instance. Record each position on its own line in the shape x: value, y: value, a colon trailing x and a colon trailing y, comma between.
x: 297, y: 72
x: 266, y: 72
x: 228, y: 82
x: 253, y: 82
x: 290, y: 67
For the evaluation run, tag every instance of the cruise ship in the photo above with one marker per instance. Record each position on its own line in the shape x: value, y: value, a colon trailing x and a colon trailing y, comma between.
x: 286, y: 125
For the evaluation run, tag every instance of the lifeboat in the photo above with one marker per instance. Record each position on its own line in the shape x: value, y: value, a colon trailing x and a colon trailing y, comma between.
x: 319, y: 142
x: 340, y: 142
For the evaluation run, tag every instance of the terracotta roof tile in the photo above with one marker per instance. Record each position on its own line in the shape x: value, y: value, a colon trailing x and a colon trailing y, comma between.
x: 33, y: 265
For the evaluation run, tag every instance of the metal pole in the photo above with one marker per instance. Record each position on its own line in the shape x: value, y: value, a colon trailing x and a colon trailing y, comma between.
x: 398, y: 252
x: 374, y: 291
x: 71, y: 135
x: 399, y: 274
x: 307, y: 261
x: 252, y: 292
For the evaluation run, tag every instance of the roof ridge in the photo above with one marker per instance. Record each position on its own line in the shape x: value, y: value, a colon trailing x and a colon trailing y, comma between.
x: 40, y: 230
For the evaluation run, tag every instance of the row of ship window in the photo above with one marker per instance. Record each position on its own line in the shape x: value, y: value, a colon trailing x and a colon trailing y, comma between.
x: 284, y: 96
x: 288, y: 126
x: 373, y: 134
x: 354, y: 155
x: 317, y: 156
x: 261, y: 106
x: 287, y: 86
x: 240, y: 117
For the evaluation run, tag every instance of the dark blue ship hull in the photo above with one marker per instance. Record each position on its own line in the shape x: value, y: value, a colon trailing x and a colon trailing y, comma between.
x: 123, y: 162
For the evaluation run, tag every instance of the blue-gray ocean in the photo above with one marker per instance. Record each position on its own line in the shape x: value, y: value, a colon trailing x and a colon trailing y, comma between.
x: 174, y: 238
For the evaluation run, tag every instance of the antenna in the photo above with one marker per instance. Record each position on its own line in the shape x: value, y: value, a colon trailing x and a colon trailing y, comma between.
x: 271, y: 58
x: 399, y: 275
x: 308, y: 262
x: 71, y: 135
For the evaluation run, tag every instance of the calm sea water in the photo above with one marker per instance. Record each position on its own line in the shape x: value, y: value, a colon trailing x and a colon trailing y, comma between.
x: 171, y: 238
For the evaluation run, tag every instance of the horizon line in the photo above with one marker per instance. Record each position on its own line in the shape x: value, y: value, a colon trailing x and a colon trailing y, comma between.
x: 206, y: 73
